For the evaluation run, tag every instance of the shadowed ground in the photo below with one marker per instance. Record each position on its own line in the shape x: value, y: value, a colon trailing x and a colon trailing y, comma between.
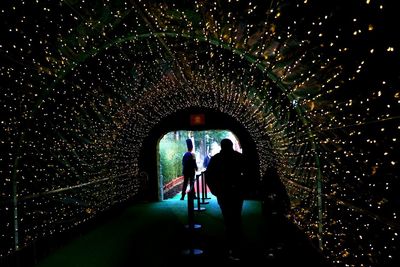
x: 155, y: 234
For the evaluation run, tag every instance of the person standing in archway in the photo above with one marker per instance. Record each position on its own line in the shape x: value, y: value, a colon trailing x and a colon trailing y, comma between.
x: 225, y: 178
x: 189, y: 167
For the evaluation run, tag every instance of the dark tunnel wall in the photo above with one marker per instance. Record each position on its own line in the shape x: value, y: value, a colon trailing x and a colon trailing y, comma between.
x: 84, y: 86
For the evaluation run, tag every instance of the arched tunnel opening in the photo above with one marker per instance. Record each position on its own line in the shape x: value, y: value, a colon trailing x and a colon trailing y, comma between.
x: 88, y: 89
x: 183, y: 120
x: 171, y: 149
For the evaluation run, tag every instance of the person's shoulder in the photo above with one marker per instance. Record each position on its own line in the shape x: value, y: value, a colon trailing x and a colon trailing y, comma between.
x: 238, y: 154
x: 215, y: 157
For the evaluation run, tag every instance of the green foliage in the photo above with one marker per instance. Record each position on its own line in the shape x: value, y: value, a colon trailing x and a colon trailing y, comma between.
x: 171, y: 152
x: 217, y: 135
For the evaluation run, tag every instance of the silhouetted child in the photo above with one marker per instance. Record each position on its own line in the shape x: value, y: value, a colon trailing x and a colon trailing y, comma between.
x: 189, y: 167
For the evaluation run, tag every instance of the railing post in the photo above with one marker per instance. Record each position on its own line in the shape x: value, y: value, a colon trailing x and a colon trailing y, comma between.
x: 198, y: 208
x: 191, y: 251
x: 203, y: 189
x: 205, y: 186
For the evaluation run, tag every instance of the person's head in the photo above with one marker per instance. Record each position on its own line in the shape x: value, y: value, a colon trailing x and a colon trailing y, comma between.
x: 226, y: 145
x: 189, y: 144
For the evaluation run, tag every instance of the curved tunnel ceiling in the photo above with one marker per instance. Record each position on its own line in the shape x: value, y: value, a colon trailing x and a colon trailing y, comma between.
x: 315, y: 85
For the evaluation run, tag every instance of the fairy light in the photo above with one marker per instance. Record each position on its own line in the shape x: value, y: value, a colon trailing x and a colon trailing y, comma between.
x: 83, y: 85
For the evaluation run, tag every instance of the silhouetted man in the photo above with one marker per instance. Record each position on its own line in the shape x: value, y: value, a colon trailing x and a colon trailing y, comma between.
x: 224, y: 177
x: 189, y: 167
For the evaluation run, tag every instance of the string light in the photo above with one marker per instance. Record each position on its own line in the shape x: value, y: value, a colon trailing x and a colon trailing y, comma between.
x: 83, y: 84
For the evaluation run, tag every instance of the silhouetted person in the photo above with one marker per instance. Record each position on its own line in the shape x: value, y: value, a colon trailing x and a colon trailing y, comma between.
x: 189, y: 167
x: 224, y: 177
x: 275, y: 207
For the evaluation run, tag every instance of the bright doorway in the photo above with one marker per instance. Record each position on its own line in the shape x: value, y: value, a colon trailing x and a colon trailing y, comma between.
x: 172, y: 146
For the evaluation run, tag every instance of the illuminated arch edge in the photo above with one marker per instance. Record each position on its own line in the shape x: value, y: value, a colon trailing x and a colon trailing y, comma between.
x: 267, y: 119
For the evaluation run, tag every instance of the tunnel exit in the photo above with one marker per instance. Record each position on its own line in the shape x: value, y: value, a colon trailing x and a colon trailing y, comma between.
x: 171, y: 148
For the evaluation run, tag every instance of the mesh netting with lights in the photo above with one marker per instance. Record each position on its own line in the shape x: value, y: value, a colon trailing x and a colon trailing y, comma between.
x: 315, y: 83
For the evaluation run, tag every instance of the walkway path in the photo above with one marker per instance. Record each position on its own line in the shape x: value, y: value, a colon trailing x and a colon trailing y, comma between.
x: 154, y: 234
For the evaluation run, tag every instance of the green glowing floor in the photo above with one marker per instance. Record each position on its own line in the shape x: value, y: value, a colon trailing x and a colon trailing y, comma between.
x: 154, y: 234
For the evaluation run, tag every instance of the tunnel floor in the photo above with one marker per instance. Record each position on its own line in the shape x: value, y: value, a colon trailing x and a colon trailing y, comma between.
x: 156, y: 234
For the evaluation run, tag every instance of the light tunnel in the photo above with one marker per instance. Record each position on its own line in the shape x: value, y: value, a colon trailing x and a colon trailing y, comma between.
x: 87, y: 90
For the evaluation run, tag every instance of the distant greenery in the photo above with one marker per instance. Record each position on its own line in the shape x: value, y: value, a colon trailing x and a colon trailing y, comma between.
x: 171, y: 152
x: 173, y: 145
